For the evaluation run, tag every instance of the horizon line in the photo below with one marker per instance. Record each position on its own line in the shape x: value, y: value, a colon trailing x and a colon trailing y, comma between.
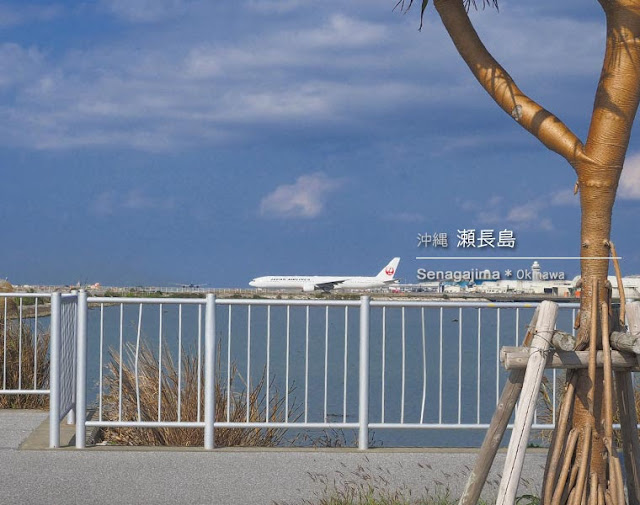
x: 518, y: 257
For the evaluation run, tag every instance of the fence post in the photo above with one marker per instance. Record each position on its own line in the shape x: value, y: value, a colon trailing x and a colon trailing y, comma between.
x: 71, y: 416
x: 363, y: 384
x: 81, y: 370
x: 54, y: 373
x: 209, y: 371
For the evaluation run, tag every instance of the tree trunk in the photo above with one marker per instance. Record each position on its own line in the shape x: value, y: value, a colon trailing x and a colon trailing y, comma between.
x: 599, y: 171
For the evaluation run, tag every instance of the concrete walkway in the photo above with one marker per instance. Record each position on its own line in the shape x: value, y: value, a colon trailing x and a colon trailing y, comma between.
x: 32, y: 474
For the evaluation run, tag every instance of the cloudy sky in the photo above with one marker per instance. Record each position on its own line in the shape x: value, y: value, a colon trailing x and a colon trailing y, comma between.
x: 177, y: 141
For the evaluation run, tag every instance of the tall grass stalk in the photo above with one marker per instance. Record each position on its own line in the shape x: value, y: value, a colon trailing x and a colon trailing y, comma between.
x: 19, y: 357
x: 150, y: 391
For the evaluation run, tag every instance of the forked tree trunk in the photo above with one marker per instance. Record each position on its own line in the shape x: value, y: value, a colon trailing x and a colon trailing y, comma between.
x: 598, y: 162
x: 615, y: 108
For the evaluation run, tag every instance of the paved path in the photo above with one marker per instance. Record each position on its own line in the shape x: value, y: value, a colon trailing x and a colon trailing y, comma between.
x: 30, y: 474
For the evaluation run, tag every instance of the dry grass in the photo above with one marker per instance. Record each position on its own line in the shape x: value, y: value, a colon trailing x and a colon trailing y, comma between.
x: 148, y: 371
x: 18, y: 354
x: 374, y: 485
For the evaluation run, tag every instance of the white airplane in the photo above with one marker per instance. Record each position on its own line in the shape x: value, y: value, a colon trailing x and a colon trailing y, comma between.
x: 327, y: 283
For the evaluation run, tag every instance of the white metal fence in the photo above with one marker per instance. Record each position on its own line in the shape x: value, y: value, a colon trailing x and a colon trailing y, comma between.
x: 319, y: 364
x: 358, y: 364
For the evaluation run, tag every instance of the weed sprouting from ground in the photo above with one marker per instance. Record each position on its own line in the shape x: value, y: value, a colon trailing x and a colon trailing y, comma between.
x: 366, y: 485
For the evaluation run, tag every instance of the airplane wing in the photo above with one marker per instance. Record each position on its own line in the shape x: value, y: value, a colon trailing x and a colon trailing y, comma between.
x: 329, y: 284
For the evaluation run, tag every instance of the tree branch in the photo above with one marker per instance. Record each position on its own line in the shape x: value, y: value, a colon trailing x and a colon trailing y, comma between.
x: 618, y: 94
x: 546, y: 127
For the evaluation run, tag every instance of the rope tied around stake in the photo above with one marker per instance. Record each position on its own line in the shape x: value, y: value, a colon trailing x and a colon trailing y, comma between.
x: 548, y: 339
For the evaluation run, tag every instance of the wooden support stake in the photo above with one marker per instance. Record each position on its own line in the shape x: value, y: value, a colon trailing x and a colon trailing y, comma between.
x: 607, y: 498
x: 629, y: 417
x: 524, y: 417
x: 572, y: 441
x: 613, y: 475
x: 600, y: 494
x: 497, y: 428
x: 616, y: 266
x: 514, y: 358
x: 585, y: 456
x: 628, y: 342
x: 558, y: 441
x: 620, y: 482
x: 531, y: 328
x: 563, y: 341
x: 630, y: 441
x: 608, y: 378
x: 592, y: 345
x: 633, y: 317
x: 593, y: 489
x: 493, y: 438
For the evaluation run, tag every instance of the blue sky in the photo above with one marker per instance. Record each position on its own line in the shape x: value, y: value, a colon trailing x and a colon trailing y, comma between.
x: 171, y: 141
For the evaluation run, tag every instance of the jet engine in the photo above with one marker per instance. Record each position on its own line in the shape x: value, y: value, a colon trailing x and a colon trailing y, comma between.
x: 308, y: 287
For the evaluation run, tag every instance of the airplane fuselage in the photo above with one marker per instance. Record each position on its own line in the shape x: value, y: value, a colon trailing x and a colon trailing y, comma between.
x: 310, y: 283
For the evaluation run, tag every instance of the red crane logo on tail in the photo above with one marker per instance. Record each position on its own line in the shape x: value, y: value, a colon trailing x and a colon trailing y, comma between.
x: 390, y: 271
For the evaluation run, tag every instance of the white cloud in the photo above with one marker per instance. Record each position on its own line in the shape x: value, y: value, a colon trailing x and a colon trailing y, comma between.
x: 404, y: 217
x: 111, y: 202
x: 306, y: 198
x: 348, y: 71
x: 565, y: 197
x: 629, y: 187
x: 274, y: 6
x: 529, y: 214
x: 145, y: 11
x: 12, y: 15
x: 18, y: 64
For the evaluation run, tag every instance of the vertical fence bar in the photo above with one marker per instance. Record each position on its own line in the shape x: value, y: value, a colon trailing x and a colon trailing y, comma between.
x: 460, y: 365
x: 363, y: 385
x: 228, y: 362
x: 424, y: 366
x: 346, y: 362
x: 20, y: 346
x: 198, y: 415
x: 248, y: 363
x: 4, y: 345
x: 384, y: 359
x: 497, y: 355
x: 160, y: 320
x: 326, y: 358
x: 478, y: 377
x: 404, y: 359
x: 135, y: 366
x: 440, y: 367
x: 81, y: 370
x: 120, y: 360
x: 268, y: 401
x: 54, y: 381
x: 286, y: 373
x: 35, y: 346
x: 209, y: 364
x: 100, y: 386
x: 179, y: 362
x: 306, y: 368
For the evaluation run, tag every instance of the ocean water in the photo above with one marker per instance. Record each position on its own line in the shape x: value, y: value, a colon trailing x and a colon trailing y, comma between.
x: 449, y: 357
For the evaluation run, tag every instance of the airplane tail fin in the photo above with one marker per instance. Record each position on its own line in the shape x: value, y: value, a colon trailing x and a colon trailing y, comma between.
x: 387, y: 273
